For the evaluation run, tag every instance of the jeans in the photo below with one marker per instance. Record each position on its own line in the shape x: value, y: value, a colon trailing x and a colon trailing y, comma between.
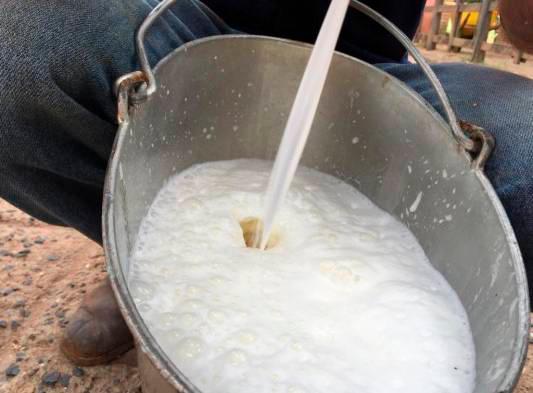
x: 58, y: 62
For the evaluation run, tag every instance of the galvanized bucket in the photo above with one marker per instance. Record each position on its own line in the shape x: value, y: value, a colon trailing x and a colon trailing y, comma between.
x: 243, y: 86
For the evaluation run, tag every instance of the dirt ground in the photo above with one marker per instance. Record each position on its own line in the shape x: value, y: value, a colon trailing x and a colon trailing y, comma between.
x: 44, y: 272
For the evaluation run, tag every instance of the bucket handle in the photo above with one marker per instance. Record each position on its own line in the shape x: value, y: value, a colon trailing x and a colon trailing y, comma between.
x: 475, y: 140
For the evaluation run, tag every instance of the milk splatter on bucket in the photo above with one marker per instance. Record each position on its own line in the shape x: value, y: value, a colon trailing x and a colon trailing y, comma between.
x: 343, y: 301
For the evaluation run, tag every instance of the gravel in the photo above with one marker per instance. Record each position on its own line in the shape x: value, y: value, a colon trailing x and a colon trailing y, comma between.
x: 12, y: 371
x: 51, y: 378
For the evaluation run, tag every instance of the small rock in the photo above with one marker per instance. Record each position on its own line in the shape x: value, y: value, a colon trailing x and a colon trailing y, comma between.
x: 52, y: 258
x: 27, y: 245
x: 40, y: 240
x: 64, y: 380
x: 24, y: 313
x: 8, y: 291
x: 20, y: 303
x: 60, y: 314
x: 8, y: 268
x: 32, y: 337
x: 5, y: 253
x: 20, y: 356
x: 33, y: 371
x: 41, y: 360
x: 28, y: 281
x: 51, y: 378
x: 13, y: 370
x: 78, y: 372
x: 22, y: 253
x: 48, y: 321
x: 15, y: 325
x: 3, y: 324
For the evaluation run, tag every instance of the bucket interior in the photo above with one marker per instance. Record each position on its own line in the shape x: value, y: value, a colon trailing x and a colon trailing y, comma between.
x: 370, y: 130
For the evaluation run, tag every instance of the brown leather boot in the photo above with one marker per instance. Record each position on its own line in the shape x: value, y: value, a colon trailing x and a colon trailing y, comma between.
x: 96, y: 333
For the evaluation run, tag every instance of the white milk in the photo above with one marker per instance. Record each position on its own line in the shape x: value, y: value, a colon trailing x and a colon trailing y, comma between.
x: 301, y: 117
x: 346, y: 301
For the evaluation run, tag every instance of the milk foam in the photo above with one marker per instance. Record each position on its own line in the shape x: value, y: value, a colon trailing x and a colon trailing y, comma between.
x: 346, y: 300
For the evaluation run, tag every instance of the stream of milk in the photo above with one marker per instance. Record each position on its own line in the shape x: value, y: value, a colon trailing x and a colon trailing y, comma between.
x: 301, y: 116
x: 344, y: 300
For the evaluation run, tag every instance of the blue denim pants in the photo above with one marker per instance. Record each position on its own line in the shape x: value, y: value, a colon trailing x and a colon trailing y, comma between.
x: 58, y: 62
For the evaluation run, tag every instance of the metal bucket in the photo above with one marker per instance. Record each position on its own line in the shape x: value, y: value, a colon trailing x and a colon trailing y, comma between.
x: 243, y: 88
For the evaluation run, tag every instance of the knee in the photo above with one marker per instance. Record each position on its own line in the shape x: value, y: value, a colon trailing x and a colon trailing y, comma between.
x: 78, y: 47
x: 489, y: 86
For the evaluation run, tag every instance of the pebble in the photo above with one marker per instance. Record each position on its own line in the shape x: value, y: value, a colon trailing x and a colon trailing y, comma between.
x: 3, y: 324
x: 24, y: 313
x: 52, y: 258
x: 22, y: 253
x: 8, y: 291
x: 78, y: 372
x: 20, y: 356
x: 13, y: 370
x: 28, y: 281
x: 60, y: 314
x: 33, y: 371
x: 40, y: 240
x: 51, y: 378
x: 20, y: 303
x: 64, y: 380
x: 15, y: 325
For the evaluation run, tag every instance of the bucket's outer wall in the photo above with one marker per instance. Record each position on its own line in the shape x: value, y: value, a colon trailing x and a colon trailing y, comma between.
x: 228, y: 97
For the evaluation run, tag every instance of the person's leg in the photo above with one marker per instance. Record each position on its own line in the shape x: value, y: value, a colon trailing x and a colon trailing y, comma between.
x: 58, y: 62
x: 501, y: 103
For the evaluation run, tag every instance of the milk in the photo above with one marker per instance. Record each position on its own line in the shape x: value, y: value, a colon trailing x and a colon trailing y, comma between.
x: 301, y: 117
x: 344, y: 300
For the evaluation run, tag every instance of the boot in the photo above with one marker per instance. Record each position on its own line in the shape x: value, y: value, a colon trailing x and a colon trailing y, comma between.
x: 96, y: 333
